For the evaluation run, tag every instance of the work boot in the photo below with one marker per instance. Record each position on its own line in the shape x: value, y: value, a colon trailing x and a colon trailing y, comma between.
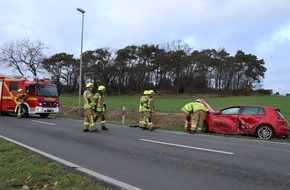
x: 145, y: 128
x: 104, y: 128
x: 192, y: 131
x: 86, y: 130
x: 152, y: 129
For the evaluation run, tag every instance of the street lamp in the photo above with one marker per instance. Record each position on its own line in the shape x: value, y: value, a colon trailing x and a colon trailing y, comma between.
x: 81, y: 59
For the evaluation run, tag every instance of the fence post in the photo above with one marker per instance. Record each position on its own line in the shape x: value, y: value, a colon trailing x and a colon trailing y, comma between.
x: 123, y: 115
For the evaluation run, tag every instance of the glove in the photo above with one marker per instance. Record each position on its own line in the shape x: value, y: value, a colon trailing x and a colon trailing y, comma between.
x: 105, y: 106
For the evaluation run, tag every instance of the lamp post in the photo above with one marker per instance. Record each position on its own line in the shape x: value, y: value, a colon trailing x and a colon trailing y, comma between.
x: 81, y: 59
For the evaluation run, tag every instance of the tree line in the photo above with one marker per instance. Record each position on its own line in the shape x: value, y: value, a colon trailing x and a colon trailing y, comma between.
x: 170, y: 68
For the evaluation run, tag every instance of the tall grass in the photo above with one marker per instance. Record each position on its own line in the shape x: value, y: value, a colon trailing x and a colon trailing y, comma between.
x: 175, y: 103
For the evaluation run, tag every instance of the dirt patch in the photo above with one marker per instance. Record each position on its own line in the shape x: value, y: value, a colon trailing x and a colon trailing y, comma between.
x: 160, y: 119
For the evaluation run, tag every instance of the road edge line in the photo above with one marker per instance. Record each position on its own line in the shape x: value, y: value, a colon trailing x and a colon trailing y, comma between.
x: 96, y: 175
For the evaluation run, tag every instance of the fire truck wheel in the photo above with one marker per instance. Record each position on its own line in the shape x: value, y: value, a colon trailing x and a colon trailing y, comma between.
x: 44, y: 115
x: 24, y: 111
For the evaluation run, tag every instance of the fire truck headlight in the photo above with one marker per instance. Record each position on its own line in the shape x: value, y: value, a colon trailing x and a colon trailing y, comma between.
x: 40, y: 104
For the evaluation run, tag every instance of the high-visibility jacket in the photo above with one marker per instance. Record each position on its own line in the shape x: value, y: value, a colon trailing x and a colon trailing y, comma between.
x: 199, y: 106
x: 188, y: 108
x: 21, y: 97
x: 144, y: 103
x: 100, y: 101
x: 88, y: 100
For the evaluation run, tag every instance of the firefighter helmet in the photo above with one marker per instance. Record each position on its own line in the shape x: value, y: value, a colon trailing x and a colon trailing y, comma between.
x: 151, y: 91
x: 198, y: 100
x: 90, y: 85
x: 20, y: 90
x: 146, y: 92
x: 102, y: 88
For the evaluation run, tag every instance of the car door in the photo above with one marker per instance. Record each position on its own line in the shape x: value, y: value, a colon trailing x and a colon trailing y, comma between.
x: 225, y: 120
x: 250, y: 117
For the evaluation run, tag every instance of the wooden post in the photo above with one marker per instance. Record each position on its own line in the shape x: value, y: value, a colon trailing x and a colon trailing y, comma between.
x: 123, y: 116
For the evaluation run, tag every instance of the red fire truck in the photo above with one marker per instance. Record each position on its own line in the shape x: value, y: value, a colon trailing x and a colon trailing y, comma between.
x: 42, y: 96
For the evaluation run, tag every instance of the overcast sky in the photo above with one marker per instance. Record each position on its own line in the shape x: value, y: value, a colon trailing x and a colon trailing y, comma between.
x: 259, y: 27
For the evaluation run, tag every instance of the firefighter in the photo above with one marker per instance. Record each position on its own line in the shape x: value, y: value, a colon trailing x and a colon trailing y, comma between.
x: 21, y: 98
x: 188, y: 111
x: 145, y: 121
x: 101, y: 107
x: 89, y: 105
x: 151, y: 102
x: 151, y: 108
x: 142, y: 107
x: 199, y: 114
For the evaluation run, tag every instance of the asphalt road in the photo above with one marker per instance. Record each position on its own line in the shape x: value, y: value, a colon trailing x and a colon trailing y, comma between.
x: 155, y: 160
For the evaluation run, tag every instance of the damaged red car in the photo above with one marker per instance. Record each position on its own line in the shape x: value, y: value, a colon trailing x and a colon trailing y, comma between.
x: 261, y: 121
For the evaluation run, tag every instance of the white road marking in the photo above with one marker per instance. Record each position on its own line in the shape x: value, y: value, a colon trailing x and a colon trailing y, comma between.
x: 185, y: 146
x: 96, y: 175
x: 47, y: 123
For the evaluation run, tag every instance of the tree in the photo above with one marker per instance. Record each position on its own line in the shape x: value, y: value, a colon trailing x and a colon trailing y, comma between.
x: 24, y: 55
x: 178, y: 54
x: 254, y: 70
x: 62, y: 67
x: 98, y: 66
x: 146, y: 73
x: 126, y: 61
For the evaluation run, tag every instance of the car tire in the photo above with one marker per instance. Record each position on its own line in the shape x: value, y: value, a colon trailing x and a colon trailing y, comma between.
x: 205, y: 127
x: 265, y: 132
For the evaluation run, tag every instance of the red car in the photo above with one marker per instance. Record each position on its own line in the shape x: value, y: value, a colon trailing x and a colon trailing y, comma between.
x: 261, y: 121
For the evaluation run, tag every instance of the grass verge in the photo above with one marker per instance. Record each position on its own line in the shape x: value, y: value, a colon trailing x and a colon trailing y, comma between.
x: 21, y: 169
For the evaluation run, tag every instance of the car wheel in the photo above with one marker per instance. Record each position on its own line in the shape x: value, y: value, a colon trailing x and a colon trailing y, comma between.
x: 265, y: 132
x: 205, y: 127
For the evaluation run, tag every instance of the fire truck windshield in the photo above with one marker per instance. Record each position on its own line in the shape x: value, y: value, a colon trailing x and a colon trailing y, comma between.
x: 44, y: 90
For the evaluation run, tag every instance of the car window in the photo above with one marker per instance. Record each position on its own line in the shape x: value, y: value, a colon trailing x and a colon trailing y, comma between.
x: 261, y: 111
x: 232, y: 110
x: 279, y: 113
x: 248, y: 110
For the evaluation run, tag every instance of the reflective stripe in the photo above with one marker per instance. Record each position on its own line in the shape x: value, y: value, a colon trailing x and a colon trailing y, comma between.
x: 11, y: 95
x: 88, y: 96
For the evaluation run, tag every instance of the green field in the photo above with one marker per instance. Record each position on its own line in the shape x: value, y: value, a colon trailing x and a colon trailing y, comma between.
x: 175, y: 103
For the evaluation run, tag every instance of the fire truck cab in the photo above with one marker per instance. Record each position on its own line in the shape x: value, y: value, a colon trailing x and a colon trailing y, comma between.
x: 42, y: 96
